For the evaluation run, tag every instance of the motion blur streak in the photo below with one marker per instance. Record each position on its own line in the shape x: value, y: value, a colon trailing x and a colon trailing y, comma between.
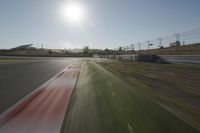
x: 45, y: 112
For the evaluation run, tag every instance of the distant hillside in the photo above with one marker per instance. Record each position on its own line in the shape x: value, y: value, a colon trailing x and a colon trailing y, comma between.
x: 193, y: 49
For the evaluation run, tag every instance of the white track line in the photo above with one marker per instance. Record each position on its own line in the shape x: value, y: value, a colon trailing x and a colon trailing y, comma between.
x: 43, y: 110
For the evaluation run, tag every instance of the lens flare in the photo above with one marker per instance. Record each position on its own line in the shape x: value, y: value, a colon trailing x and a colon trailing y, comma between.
x: 73, y: 12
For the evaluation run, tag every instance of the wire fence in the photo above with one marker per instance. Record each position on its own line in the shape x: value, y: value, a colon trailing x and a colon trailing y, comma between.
x: 184, y: 38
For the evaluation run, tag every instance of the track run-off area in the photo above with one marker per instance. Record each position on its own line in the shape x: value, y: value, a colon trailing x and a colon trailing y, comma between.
x: 105, y: 96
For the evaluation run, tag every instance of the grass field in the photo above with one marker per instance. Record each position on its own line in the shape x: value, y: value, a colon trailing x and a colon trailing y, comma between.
x: 132, y: 97
x: 13, y: 60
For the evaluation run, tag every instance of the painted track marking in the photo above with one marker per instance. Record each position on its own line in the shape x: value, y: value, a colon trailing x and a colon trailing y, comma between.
x: 43, y: 111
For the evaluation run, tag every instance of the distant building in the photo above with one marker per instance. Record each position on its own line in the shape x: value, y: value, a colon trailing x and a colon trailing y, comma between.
x: 24, y: 47
x: 75, y: 50
x: 177, y: 43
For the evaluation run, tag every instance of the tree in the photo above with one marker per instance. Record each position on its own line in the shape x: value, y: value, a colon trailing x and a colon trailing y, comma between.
x: 86, y: 50
x: 50, y: 52
x: 120, y: 50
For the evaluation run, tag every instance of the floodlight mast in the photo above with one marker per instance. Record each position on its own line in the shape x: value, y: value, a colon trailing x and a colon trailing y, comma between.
x: 139, y: 46
x: 160, y: 42
x: 177, y: 36
x: 148, y: 46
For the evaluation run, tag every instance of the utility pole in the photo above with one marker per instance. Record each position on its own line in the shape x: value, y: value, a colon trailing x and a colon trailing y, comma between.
x: 177, y: 36
x: 148, y: 45
x: 139, y: 47
x: 160, y: 44
x: 132, y: 48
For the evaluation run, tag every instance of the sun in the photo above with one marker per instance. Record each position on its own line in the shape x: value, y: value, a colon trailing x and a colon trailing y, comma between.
x: 73, y: 12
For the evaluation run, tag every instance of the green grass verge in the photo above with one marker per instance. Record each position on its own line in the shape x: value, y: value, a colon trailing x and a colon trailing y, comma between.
x: 174, y: 86
x: 105, y: 102
x: 11, y: 60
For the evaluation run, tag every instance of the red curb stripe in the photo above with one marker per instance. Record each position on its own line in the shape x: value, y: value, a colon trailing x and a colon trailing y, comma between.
x: 46, y: 111
x: 4, y: 117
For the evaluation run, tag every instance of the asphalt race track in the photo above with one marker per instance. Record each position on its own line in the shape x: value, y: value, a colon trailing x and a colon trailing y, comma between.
x: 18, y: 79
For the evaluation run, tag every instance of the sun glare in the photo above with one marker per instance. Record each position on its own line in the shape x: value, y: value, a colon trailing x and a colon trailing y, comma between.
x: 73, y: 12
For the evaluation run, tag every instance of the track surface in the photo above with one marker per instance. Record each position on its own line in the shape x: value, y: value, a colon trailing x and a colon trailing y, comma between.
x: 44, y: 111
x: 18, y: 79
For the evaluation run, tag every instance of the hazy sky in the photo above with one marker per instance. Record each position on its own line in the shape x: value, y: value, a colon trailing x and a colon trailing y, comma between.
x: 106, y: 24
